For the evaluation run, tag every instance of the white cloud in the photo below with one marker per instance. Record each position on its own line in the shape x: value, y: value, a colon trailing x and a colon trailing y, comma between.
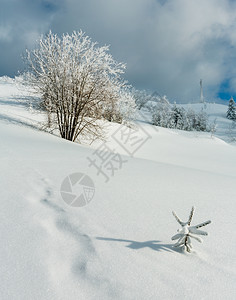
x: 168, y: 45
x: 5, y: 33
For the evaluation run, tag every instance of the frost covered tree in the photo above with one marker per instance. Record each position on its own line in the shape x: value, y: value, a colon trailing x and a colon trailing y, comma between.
x: 231, y: 112
x: 232, y: 131
x: 75, y: 79
x: 187, y: 232
x: 142, y: 98
x: 213, y: 127
x: 126, y: 107
x: 168, y: 116
x: 121, y: 109
x: 161, y: 113
x: 201, y: 121
x: 178, y: 117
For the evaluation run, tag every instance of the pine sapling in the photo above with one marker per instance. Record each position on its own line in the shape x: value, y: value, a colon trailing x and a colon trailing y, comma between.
x: 187, y: 232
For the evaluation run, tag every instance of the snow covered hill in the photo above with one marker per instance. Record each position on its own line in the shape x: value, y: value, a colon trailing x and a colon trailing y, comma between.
x: 119, y: 245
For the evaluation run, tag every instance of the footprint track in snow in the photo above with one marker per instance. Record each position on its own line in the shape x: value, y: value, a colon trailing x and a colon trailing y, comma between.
x: 70, y: 247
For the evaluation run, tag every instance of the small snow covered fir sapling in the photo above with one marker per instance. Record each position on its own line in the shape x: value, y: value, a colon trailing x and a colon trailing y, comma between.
x: 187, y: 232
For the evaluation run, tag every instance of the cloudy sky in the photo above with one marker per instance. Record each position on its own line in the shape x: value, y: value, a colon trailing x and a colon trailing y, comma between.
x: 168, y: 45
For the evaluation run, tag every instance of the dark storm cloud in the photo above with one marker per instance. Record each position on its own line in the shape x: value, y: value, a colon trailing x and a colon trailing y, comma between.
x: 168, y: 45
x: 21, y: 22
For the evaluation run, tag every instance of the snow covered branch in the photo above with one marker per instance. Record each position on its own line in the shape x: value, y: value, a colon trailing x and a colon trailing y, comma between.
x: 187, y: 232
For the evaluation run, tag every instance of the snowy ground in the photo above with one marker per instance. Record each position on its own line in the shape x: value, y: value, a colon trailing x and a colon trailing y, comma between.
x: 119, y: 245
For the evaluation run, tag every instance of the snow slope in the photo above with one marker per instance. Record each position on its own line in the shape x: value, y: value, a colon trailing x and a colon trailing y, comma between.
x: 119, y: 246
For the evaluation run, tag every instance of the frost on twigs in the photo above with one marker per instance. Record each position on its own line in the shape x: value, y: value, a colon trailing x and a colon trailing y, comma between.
x: 187, y: 232
x: 78, y: 83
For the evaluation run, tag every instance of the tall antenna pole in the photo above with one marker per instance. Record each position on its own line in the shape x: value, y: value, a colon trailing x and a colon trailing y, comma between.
x: 201, y: 92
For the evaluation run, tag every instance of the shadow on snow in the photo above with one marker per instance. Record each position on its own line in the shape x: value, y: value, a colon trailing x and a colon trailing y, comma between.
x: 154, y: 245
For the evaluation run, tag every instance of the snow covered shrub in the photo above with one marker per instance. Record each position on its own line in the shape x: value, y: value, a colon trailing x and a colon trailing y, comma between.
x: 126, y: 107
x: 187, y: 232
x: 178, y: 117
x: 75, y: 79
x: 201, y: 121
x: 141, y: 98
x: 6, y: 79
x: 161, y: 113
x: 122, y: 109
x: 213, y: 127
x: 190, y: 123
